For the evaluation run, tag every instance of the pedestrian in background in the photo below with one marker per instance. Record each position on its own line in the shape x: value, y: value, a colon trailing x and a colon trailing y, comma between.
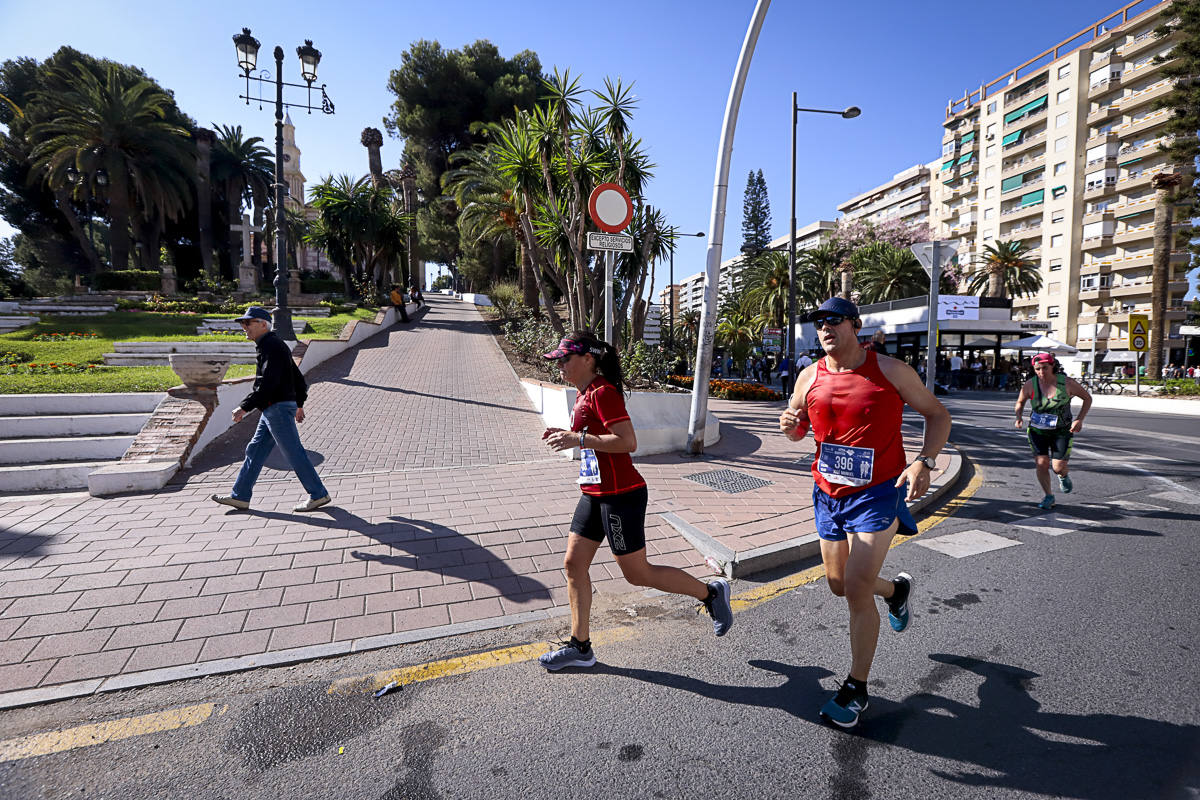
x: 279, y: 393
x: 397, y: 298
x: 613, y: 500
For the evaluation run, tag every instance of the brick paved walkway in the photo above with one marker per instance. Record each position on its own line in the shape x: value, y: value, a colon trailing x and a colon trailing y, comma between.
x: 448, y: 513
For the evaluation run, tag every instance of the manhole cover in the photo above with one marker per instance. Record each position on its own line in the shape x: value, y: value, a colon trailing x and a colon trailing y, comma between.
x: 729, y: 481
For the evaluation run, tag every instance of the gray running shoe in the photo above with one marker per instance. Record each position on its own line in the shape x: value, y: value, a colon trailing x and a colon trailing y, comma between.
x: 230, y: 500
x: 718, y: 607
x: 313, y: 505
x: 1064, y: 483
x: 567, y: 656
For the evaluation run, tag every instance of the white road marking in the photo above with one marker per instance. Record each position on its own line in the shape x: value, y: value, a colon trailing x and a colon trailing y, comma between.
x: 1186, y: 498
x: 966, y: 543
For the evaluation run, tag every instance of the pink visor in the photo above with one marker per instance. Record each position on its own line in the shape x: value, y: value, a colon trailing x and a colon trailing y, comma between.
x: 1042, y: 358
x: 568, y: 347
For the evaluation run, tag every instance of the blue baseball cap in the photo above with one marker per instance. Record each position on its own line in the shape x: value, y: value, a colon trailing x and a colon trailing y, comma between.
x: 837, y: 305
x: 255, y: 312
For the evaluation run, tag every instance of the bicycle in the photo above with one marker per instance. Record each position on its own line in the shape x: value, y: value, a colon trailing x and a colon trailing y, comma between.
x: 1103, y: 385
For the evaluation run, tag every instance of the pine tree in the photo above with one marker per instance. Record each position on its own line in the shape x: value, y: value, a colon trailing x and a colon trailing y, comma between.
x: 1184, y: 147
x: 756, y: 216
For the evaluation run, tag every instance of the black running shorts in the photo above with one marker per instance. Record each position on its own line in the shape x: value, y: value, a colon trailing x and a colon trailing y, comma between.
x: 1056, y: 444
x: 620, y: 517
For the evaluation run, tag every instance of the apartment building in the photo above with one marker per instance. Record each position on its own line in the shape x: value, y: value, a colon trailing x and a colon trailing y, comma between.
x: 1060, y: 153
x: 905, y: 198
x: 732, y: 270
x: 668, y: 299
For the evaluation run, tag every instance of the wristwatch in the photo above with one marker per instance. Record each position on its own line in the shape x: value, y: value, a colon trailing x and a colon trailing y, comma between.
x: 929, y: 462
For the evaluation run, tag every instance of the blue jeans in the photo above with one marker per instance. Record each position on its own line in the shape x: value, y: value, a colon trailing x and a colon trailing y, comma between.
x: 277, y: 426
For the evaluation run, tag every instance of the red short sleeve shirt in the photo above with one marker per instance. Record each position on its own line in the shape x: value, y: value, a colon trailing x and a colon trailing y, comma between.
x: 597, y: 407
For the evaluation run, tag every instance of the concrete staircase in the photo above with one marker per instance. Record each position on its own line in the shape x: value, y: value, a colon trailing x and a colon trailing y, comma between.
x: 215, y: 325
x: 52, y: 441
x: 156, y: 354
x: 71, y: 308
x: 10, y: 322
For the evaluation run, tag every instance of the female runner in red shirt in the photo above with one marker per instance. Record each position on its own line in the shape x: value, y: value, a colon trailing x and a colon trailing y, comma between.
x: 613, y: 503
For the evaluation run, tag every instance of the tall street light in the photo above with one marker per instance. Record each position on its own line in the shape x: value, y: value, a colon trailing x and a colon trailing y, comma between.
x: 849, y: 113
x: 247, y: 57
x: 670, y: 288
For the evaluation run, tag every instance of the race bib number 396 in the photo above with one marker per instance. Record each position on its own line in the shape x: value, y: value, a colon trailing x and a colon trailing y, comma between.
x: 850, y: 466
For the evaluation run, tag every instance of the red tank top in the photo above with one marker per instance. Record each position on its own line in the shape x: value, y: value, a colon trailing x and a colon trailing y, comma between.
x: 855, y: 417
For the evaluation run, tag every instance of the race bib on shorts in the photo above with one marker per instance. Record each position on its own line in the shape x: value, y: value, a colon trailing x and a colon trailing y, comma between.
x: 850, y: 466
x: 589, y: 467
x: 1046, y: 420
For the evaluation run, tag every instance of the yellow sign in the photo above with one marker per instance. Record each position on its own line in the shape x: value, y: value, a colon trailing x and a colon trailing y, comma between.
x: 1139, y: 332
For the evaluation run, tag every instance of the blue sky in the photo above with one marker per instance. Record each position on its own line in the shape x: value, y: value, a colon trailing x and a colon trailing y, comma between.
x: 899, y: 61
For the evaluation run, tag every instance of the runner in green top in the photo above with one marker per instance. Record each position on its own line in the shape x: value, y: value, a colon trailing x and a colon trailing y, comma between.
x: 1050, y: 424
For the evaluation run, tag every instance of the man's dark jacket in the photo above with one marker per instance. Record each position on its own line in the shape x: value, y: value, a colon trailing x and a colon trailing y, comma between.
x: 277, y: 379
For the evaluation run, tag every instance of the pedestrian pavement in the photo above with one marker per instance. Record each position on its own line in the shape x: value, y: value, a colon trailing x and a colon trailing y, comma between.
x: 449, y: 515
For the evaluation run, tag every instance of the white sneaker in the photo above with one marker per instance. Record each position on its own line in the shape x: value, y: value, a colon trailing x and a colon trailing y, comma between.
x: 230, y: 500
x: 311, y: 505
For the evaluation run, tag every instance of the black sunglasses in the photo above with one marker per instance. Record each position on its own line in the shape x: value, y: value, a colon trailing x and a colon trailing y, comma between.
x: 832, y: 320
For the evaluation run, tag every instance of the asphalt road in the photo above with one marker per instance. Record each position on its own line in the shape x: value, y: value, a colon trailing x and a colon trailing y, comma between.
x: 1060, y: 663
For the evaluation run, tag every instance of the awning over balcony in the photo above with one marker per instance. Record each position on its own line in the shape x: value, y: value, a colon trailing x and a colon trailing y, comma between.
x: 1015, y: 136
x: 1028, y: 108
x: 1033, y: 198
x: 1011, y: 183
x: 1130, y: 161
x: 947, y: 165
x: 1135, y: 214
x: 968, y: 137
x: 965, y: 157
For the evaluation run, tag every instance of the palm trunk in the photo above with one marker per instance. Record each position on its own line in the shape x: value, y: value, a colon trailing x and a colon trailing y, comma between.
x: 204, y: 143
x: 1164, y: 186
x: 118, y: 217
x: 63, y: 199
x: 996, y: 283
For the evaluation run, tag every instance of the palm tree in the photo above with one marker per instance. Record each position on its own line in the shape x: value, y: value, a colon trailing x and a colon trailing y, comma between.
x: 361, y: 225
x: 887, y: 273
x: 1004, y: 270
x: 818, y: 274
x: 766, y: 287
x: 1165, y: 185
x: 245, y: 169
x: 739, y: 333
x: 122, y: 129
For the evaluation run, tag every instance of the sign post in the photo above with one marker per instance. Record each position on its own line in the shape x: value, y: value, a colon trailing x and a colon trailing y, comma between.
x: 930, y: 254
x: 611, y: 210
x: 1139, y: 340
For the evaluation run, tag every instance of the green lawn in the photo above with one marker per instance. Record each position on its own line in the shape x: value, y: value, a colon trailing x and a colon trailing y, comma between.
x: 124, y: 326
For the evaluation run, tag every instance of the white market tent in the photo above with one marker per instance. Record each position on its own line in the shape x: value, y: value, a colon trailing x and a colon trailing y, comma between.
x: 1043, y: 343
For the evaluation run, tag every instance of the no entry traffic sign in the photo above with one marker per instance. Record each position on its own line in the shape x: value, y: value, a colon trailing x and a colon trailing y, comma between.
x: 610, y: 207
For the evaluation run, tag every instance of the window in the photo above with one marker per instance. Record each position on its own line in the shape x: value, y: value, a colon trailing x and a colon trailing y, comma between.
x: 1054, y: 288
x: 987, y: 237
x: 1060, y: 168
x: 1062, y: 119
x: 991, y: 130
x: 1063, y: 96
x: 990, y: 151
x: 1055, y: 264
x: 1056, y: 240
x: 1064, y: 70
x: 1057, y: 216
x: 988, y: 173
x: 991, y: 107
x: 988, y: 192
x: 1051, y: 311
x: 1060, y: 144
x: 988, y: 213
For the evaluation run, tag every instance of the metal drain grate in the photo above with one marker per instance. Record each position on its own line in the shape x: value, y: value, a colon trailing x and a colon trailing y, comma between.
x: 729, y: 481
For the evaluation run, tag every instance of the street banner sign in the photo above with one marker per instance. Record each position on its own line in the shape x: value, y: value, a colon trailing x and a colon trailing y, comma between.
x: 772, y: 339
x: 652, y: 333
x: 1139, y: 332
x: 616, y: 242
x: 958, y: 306
x: 1034, y: 325
x: 610, y: 207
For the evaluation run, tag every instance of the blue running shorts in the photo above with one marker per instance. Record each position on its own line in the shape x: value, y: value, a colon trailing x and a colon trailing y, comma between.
x: 869, y: 511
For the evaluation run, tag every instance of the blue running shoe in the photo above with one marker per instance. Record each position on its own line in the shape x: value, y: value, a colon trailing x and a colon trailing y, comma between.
x: 844, y: 708
x: 898, y: 613
x: 1047, y: 502
x: 569, y: 655
x: 718, y: 607
x: 1064, y: 483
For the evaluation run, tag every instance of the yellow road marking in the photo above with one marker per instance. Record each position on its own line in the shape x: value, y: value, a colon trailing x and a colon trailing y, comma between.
x: 462, y: 664
x: 41, y: 744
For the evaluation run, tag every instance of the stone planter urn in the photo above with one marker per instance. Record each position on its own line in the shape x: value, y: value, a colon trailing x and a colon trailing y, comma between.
x: 200, y: 373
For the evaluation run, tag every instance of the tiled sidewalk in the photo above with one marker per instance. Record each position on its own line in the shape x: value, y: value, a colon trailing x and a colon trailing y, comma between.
x: 449, y: 514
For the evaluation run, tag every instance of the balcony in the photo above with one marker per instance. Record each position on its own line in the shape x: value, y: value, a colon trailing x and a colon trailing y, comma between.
x: 1104, y: 113
x: 963, y: 228
x: 1134, y: 206
x: 1102, y: 215
x: 1134, y: 182
x: 1106, y: 137
x: 1107, y: 161
x: 1096, y: 242
x: 1134, y: 234
x: 963, y: 188
x: 1099, y: 293
x: 1133, y: 288
x: 1032, y: 116
x: 1025, y: 144
x: 1022, y: 212
x: 961, y: 129
x: 1026, y: 94
x: 1099, y: 189
x: 1145, y: 259
x: 1095, y: 268
x: 1100, y: 60
x: 1032, y: 230
x: 1022, y: 164
x: 1104, y: 86
x: 1143, y: 43
x: 1027, y: 186
x: 1148, y: 95
x: 1145, y: 123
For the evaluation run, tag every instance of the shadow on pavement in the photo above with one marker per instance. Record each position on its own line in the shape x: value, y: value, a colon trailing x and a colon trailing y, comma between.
x: 428, y: 547
x: 1008, y: 740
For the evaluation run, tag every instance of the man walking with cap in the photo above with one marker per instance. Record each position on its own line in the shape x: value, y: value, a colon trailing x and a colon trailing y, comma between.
x: 279, y: 392
x: 853, y: 399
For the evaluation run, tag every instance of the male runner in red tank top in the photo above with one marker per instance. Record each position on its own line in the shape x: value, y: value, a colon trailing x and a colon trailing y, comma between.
x: 853, y: 399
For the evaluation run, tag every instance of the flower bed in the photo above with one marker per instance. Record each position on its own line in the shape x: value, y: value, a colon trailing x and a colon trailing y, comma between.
x: 62, y: 337
x: 729, y: 390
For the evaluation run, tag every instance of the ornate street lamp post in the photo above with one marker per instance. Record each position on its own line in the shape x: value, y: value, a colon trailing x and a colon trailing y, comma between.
x: 849, y: 113
x: 247, y: 57
x: 674, y: 294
